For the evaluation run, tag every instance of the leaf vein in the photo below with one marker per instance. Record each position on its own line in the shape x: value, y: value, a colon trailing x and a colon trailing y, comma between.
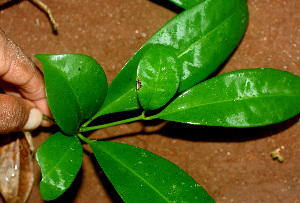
x: 223, y: 101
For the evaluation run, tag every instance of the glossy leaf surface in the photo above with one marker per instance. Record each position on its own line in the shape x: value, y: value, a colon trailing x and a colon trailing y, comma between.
x: 158, y: 77
x: 76, y: 87
x: 145, y: 177
x: 60, y: 158
x: 203, y: 37
x: 245, y: 98
x: 121, y: 93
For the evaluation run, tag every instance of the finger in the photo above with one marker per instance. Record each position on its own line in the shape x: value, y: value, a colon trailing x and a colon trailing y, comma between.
x: 17, y: 114
x: 9, y: 89
x: 17, y: 69
x: 41, y: 104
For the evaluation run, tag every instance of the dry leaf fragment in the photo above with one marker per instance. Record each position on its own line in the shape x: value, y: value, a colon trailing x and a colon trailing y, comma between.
x: 16, y: 168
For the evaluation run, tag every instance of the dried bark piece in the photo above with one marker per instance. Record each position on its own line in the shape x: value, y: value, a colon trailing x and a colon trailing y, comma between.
x: 26, y: 167
x: 9, y: 168
x: 16, y: 168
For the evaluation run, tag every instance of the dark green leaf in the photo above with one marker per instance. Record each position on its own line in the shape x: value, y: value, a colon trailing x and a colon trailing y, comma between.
x: 245, y: 98
x: 60, y: 158
x: 121, y: 93
x: 141, y: 176
x: 203, y: 37
x: 76, y: 87
x: 158, y: 77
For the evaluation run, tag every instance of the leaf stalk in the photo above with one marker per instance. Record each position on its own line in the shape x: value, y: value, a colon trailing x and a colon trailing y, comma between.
x: 129, y: 120
x: 83, y: 138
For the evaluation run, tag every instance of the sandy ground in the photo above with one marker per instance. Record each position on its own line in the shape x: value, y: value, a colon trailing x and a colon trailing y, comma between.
x: 233, y: 165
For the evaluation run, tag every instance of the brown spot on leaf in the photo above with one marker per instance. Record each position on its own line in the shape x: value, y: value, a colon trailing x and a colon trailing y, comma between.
x: 138, y: 84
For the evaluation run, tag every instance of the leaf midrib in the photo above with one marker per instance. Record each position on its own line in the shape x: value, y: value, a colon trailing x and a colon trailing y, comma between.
x: 224, y: 101
x: 118, y: 98
x: 63, y: 157
x: 128, y: 168
x: 73, y: 92
x: 207, y: 34
x: 156, y: 83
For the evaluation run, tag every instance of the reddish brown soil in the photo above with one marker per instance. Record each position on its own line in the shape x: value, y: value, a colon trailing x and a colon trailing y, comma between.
x: 234, y: 165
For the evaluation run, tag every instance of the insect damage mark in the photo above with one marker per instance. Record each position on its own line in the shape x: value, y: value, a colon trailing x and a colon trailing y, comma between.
x: 138, y: 84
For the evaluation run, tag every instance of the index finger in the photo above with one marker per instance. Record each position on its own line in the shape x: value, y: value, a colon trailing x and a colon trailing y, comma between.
x: 17, y: 69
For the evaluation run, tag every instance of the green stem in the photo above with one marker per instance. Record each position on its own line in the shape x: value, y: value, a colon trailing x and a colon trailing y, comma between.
x: 83, y: 138
x: 140, y: 117
x: 150, y: 117
x: 47, y: 118
x: 89, y: 121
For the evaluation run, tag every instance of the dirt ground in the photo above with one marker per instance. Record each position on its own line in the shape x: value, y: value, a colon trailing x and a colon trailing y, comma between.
x: 233, y: 165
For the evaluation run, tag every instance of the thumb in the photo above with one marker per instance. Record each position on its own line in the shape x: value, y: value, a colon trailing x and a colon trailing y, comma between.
x: 17, y: 114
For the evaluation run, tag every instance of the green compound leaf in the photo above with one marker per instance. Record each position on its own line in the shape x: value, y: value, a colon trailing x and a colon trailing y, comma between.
x: 76, y: 87
x: 202, y: 37
x: 146, y: 177
x: 60, y: 158
x: 158, y: 77
x: 245, y: 98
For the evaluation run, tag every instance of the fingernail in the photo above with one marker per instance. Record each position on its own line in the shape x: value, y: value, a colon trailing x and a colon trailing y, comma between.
x: 34, y: 120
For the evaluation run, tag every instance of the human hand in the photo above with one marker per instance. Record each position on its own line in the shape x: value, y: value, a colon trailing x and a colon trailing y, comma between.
x: 24, y: 102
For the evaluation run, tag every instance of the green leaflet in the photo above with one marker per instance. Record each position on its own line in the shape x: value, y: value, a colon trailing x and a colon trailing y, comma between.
x: 245, y: 98
x: 121, y: 93
x: 60, y: 158
x: 203, y: 37
x: 158, y: 77
x: 146, y: 177
x: 76, y: 86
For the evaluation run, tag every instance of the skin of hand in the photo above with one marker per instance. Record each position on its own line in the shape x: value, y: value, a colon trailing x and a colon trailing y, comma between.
x: 24, y: 102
